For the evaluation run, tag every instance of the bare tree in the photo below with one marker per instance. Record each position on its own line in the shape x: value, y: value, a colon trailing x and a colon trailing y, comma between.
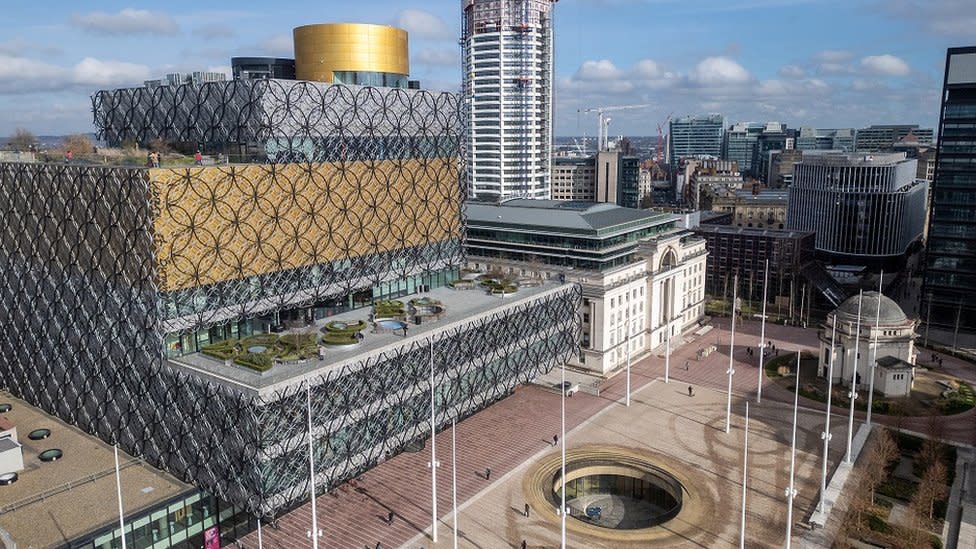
x: 883, y: 452
x: 931, y: 489
x: 78, y: 144
x: 22, y: 140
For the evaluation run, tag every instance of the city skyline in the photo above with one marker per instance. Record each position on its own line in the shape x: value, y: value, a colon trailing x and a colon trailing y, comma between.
x: 760, y: 60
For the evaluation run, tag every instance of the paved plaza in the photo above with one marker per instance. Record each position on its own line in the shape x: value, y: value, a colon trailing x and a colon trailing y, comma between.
x: 511, y: 435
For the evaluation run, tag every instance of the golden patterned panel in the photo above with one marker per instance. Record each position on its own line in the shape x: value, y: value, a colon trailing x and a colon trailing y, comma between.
x: 322, y: 49
x: 220, y: 223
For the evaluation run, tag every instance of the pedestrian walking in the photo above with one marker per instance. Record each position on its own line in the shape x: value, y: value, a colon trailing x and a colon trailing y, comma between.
x: 691, y: 392
x: 379, y: 545
x: 487, y: 473
x: 389, y: 518
x: 526, y: 510
x: 198, y: 158
x: 523, y: 544
x: 69, y: 156
x: 555, y: 440
x: 687, y: 363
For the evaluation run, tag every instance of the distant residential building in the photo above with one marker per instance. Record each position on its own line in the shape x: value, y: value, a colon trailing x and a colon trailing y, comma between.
x: 754, y: 208
x: 865, y: 209
x: 744, y: 251
x: 700, y: 180
x: 820, y: 139
x: 698, y: 135
x: 608, y: 176
x: 641, y: 277
x: 948, y: 304
x: 573, y: 178
x: 508, y: 82
x: 881, y: 138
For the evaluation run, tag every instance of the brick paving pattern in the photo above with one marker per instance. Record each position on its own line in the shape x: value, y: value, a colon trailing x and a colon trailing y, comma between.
x: 515, y: 430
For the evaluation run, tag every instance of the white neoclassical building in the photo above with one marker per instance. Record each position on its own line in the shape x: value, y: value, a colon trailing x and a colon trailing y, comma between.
x: 894, y: 356
x: 642, y: 277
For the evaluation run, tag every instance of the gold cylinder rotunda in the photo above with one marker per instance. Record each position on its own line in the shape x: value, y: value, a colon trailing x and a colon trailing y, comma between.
x: 349, y: 52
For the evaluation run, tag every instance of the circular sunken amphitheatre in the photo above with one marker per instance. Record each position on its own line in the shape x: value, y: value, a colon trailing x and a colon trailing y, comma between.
x: 622, y: 495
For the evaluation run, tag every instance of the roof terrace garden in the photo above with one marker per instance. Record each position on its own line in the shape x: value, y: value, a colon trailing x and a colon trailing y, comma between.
x: 265, y: 360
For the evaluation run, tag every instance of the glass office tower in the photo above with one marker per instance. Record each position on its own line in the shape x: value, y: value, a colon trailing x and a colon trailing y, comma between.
x: 950, y: 265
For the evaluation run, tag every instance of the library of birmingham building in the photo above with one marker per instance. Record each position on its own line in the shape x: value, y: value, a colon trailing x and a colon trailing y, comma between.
x: 184, y: 312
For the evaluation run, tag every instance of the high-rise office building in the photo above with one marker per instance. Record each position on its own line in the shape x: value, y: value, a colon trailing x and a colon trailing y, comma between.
x: 950, y: 264
x: 507, y: 63
x: 698, y: 135
x: 825, y: 139
x: 866, y: 210
x: 883, y: 137
x: 740, y: 144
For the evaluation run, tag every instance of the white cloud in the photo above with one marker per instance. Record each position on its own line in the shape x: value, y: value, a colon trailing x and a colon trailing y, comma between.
x: 423, y: 24
x: 719, y: 71
x: 601, y: 70
x: 127, y: 21
x: 439, y: 57
x: 792, y: 71
x: 886, y: 65
x: 95, y: 72
x: 647, y: 68
x: 21, y: 75
x: 792, y: 88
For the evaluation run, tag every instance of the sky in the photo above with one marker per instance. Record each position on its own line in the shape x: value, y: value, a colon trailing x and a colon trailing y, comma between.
x: 820, y: 63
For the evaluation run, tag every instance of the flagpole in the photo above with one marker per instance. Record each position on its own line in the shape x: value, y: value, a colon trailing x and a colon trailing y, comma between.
x: 118, y: 491
x: 667, y: 352
x: 745, y: 478
x: 562, y: 437
x: 433, y: 449
x: 762, y: 335
x: 731, y: 371
x: 825, y: 435
x: 874, y: 358
x: 454, y: 476
x: 627, y: 399
x: 791, y: 491
x: 314, y: 532
x: 852, y: 395
x: 260, y: 539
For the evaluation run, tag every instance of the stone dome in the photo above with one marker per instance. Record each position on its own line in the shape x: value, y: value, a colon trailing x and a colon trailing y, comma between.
x: 891, y: 313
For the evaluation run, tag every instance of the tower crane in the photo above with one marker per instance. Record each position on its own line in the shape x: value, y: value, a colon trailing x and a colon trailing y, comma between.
x: 602, y: 130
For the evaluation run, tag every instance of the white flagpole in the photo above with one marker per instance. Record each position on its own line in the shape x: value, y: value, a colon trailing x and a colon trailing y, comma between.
x: 825, y: 435
x: 454, y: 476
x: 762, y: 335
x: 731, y: 372
x: 260, y: 539
x: 667, y: 353
x: 791, y: 491
x: 852, y: 395
x: 118, y: 491
x: 745, y: 478
x: 562, y: 432
x: 874, y: 357
x: 627, y: 400
x: 314, y: 532
x: 433, y: 449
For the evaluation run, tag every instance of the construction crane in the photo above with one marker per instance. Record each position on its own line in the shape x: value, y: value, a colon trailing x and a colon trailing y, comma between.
x: 604, y: 122
x: 659, y: 151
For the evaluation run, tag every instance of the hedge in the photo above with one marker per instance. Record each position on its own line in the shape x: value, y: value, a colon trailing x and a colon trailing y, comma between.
x: 255, y: 361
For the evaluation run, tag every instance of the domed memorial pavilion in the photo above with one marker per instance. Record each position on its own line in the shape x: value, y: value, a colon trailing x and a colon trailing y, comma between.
x: 894, y: 371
